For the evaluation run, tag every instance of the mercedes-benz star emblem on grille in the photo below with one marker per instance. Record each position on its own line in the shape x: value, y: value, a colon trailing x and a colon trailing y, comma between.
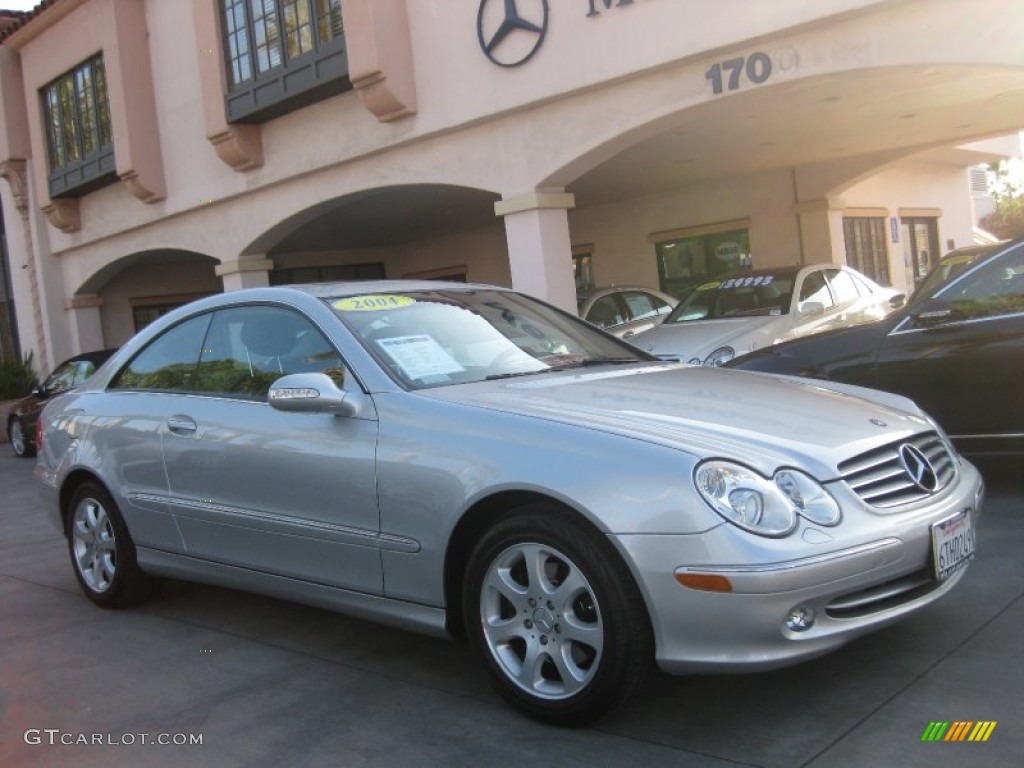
x: 507, y: 37
x: 919, y: 468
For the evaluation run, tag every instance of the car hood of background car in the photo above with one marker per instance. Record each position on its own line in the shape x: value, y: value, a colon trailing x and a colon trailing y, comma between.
x: 699, y: 337
x: 763, y: 421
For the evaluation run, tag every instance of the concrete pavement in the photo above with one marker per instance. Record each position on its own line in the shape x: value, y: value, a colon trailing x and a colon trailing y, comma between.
x: 267, y: 683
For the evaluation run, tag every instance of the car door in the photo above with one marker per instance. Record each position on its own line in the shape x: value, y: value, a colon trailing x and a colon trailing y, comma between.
x: 251, y: 486
x: 960, y: 355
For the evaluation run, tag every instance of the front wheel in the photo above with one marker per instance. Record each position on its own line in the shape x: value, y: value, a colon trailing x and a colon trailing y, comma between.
x: 102, y: 552
x: 556, y: 617
x: 20, y: 443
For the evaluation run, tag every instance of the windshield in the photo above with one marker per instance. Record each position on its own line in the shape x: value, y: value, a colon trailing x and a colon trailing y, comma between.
x: 435, y: 338
x: 754, y: 294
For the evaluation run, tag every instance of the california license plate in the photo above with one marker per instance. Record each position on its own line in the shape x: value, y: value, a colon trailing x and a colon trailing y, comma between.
x: 952, y: 544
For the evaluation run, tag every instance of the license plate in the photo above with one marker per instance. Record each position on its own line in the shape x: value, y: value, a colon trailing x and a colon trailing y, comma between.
x: 952, y: 544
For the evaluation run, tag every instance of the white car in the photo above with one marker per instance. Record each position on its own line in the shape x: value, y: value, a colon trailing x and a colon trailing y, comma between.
x: 625, y: 310
x: 728, y: 317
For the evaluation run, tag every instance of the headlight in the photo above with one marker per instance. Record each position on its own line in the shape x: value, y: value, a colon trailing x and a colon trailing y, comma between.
x: 762, y: 506
x: 720, y: 357
x: 810, y: 500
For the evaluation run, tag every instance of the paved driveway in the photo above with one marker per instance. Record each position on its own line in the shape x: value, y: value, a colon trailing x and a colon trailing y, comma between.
x: 266, y: 683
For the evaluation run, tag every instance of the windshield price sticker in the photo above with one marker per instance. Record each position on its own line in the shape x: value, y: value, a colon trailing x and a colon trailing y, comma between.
x: 372, y: 303
x: 420, y: 356
x: 952, y: 544
x: 708, y: 286
x: 747, y: 282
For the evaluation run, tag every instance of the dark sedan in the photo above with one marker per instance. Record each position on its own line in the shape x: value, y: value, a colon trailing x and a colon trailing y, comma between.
x: 957, y: 349
x: 21, y: 423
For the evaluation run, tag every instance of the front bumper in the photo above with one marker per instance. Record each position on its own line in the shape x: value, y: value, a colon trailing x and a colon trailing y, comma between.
x: 882, y: 573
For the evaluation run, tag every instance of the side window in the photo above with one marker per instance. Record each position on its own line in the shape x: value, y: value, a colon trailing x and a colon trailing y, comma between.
x: 169, y: 361
x: 814, y: 292
x: 248, y: 348
x: 843, y: 287
x: 863, y: 288
x: 995, y: 289
x: 605, y: 312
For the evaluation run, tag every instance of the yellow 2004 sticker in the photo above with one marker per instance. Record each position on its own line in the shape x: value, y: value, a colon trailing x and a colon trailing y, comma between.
x: 375, y: 303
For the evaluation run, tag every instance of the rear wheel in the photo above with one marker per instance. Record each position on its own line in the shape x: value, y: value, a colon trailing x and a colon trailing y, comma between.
x: 20, y: 444
x: 556, y: 617
x: 102, y: 552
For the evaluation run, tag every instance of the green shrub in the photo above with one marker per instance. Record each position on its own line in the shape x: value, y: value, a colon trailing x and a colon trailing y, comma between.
x: 17, y: 378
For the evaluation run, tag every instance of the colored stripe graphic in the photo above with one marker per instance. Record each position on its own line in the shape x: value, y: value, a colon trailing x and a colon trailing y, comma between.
x: 982, y: 731
x: 959, y: 730
x: 935, y: 731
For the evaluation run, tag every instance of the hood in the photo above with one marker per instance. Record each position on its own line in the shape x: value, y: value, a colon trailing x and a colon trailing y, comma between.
x: 760, y: 420
x: 699, y: 338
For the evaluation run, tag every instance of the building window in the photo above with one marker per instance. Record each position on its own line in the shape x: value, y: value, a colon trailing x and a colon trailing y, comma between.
x: 920, y: 246
x: 146, y: 310
x: 282, y: 55
x: 583, y: 271
x: 80, y: 143
x: 686, y: 262
x: 865, y: 247
x: 329, y: 274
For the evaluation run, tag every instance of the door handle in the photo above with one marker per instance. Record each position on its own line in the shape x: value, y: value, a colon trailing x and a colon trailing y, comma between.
x: 629, y: 334
x: 182, y: 425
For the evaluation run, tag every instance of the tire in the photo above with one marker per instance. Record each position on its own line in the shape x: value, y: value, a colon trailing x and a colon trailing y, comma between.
x: 102, y: 552
x: 556, y: 618
x: 20, y: 443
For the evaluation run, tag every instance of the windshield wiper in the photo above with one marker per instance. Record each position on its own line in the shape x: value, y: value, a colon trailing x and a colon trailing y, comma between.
x: 514, y: 374
x: 566, y: 366
x: 595, y: 361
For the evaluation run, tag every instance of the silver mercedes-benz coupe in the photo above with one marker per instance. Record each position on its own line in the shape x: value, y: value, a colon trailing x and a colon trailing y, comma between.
x: 466, y: 460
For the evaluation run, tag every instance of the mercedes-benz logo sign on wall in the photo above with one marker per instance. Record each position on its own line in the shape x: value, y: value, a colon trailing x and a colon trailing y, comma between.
x: 919, y: 468
x: 511, y: 31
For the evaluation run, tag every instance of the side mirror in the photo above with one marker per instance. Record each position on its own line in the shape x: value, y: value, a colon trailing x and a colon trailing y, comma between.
x: 812, y: 308
x: 312, y: 393
x: 40, y: 392
x: 934, y: 312
x: 898, y: 300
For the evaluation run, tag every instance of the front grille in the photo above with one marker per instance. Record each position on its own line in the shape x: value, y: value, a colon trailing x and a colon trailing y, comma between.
x: 881, y: 477
x: 882, y: 596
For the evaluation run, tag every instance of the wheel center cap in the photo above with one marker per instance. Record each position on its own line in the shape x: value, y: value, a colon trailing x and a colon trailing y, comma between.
x: 543, y: 620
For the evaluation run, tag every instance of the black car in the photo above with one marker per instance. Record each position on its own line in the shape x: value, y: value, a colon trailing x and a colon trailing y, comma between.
x: 957, y: 349
x: 21, y: 423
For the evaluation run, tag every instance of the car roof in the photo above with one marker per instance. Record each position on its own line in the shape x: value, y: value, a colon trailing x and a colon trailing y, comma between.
x: 326, y: 290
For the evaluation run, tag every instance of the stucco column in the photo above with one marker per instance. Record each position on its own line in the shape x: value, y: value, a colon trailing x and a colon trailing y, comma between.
x: 821, y: 231
x: 244, y: 273
x: 84, y: 322
x: 539, y: 247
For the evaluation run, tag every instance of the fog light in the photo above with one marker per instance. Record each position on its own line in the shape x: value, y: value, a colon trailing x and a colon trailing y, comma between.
x: 800, y: 619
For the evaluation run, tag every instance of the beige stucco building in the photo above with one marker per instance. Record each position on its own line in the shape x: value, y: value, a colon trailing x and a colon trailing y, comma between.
x: 158, y: 150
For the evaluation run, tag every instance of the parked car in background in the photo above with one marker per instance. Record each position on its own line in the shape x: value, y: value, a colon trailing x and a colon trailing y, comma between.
x: 957, y: 349
x: 725, y: 318
x: 21, y: 421
x: 625, y: 310
x: 465, y: 459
